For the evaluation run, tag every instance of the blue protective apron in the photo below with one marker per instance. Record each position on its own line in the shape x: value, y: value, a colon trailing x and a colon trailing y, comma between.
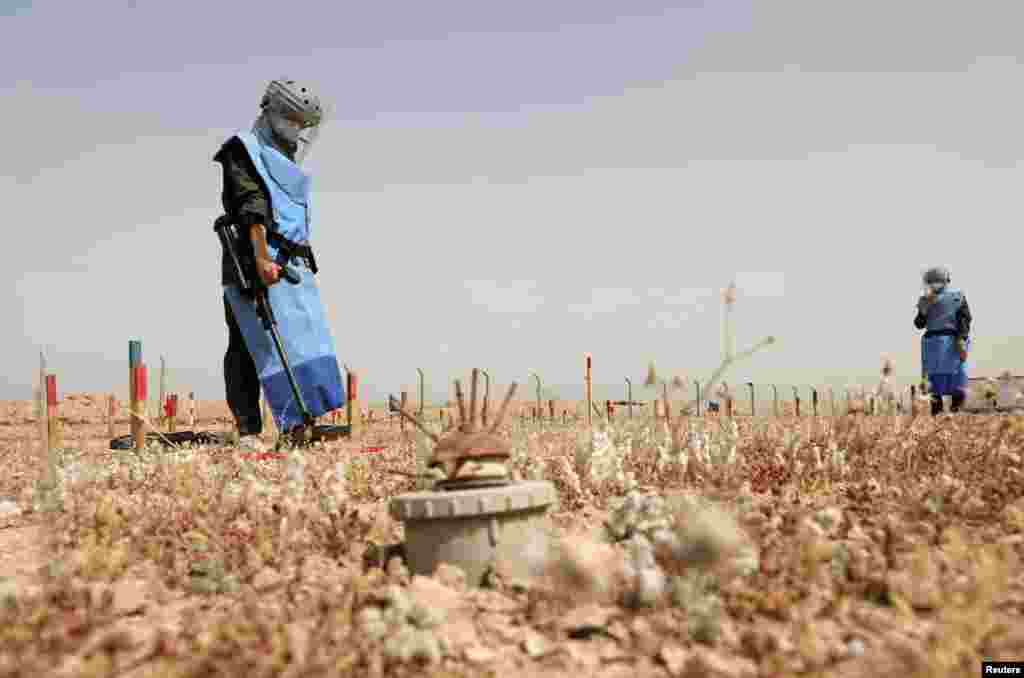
x: 302, y: 324
x: 940, y: 358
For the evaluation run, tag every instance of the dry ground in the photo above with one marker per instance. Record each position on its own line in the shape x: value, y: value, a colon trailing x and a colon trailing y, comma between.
x: 879, y: 547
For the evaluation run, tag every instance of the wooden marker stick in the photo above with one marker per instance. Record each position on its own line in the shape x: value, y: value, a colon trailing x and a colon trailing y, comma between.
x: 111, y: 415
x: 44, y: 430
x: 163, y: 395
x: 352, y: 409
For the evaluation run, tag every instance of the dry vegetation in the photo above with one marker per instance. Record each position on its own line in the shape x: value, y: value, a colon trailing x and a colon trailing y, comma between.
x: 850, y: 546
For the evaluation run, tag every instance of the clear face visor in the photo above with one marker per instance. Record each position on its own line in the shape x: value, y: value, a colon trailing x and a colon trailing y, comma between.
x: 307, y: 138
x: 296, y: 128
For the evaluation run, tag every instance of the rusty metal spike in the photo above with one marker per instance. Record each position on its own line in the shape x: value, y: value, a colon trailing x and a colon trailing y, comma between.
x: 500, y: 417
x: 471, y: 424
x: 418, y: 424
x: 462, y: 403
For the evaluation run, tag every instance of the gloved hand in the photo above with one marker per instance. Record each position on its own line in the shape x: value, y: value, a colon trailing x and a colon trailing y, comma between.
x: 923, y: 303
x: 268, y: 271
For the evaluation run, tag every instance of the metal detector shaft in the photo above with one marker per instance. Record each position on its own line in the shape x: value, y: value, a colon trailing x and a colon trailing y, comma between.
x: 270, y: 324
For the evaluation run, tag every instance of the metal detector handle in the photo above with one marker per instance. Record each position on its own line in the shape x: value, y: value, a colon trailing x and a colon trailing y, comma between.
x: 243, y: 262
x: 262, y: 296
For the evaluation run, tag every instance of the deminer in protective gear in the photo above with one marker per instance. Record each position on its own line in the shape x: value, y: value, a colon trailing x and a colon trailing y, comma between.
x: 943, y: 313
x: 267, y: 194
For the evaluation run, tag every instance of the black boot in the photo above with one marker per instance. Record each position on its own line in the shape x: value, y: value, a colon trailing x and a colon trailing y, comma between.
x: 936, y: 405
x: 958, y: 401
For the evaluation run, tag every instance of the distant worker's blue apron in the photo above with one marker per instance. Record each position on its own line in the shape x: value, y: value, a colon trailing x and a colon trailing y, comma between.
x: 301, y: 321
x: 940, y: 358
x: 946, y: 373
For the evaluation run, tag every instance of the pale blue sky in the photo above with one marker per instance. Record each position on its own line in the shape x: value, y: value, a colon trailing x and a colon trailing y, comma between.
x: 508, y: 185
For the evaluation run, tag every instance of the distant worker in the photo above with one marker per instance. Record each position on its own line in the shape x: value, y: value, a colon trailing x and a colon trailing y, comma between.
x: 267, y: 195
x: 943, y: 313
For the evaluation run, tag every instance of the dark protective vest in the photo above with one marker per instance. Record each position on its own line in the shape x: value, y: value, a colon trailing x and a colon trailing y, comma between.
x: 942, y: 313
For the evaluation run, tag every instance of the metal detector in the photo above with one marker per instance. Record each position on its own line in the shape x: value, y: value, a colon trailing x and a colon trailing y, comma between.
x: 244, y: 264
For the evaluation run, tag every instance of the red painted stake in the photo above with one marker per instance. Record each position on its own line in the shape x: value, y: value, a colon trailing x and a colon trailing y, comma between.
x: 139, y: 384
x: 51, y: 395
x: 171, y: 405
x: 51, y: 411
x: 353, y: 386
x: 51, y: 440
x: 589, y: 389
x: 172, y: 412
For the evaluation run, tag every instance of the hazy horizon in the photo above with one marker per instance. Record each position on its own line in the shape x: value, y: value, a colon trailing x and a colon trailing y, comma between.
x: 508, y: 186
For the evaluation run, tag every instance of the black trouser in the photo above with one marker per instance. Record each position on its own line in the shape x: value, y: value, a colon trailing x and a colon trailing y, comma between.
x: 241, y: 380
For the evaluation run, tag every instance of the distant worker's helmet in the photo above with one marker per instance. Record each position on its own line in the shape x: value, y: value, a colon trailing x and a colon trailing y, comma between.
x: 294, y: 111
x: 936, y: 277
